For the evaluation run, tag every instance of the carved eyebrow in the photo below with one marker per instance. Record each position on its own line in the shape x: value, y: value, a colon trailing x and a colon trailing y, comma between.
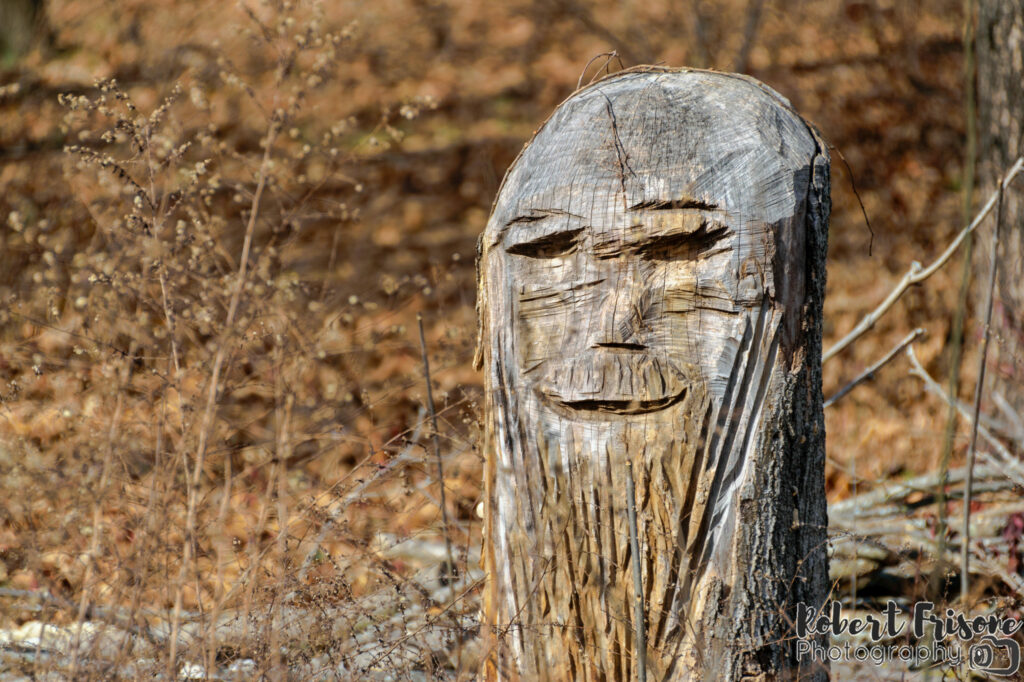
x: 535, y: 214
x: 674, y: 204
x: 532, y: 218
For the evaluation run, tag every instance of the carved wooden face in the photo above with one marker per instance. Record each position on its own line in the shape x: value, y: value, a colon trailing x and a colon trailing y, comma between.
x: 638, y: 235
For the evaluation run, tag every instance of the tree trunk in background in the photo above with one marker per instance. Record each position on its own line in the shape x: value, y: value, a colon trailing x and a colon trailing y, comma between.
x: 21, y: 22
x: 650, y: 294
x: 1000, y: 49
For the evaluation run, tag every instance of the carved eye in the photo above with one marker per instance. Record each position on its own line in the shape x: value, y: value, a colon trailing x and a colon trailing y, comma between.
x: 549, y: 246
x: 688, y: 245
x: 674, y: 205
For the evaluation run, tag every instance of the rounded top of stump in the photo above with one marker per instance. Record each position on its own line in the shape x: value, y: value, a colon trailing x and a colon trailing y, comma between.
x: 720, y: 138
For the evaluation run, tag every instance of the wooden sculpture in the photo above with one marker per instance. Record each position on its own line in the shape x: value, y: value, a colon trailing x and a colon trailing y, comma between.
x: 650, y: 292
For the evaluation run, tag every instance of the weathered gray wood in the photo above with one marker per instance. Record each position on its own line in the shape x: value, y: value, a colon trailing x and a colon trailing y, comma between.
x: 651, y: 281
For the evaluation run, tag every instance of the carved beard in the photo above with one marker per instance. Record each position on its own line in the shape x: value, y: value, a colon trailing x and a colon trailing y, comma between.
x: 557, y: 533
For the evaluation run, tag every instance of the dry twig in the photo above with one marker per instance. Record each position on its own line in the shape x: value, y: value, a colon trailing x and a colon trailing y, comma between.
x: 965, y: 556
x: 440, y: 468
x: 1012, y: 467
x: 917, y: 274
x: 869, y: 373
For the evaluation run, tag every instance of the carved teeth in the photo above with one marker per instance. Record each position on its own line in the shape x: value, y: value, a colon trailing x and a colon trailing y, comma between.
x: 618, y: 380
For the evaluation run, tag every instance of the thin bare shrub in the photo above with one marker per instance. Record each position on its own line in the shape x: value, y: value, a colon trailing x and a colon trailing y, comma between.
x: 214, y: 361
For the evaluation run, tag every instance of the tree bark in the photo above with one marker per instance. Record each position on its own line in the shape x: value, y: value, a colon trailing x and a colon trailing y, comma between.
x: 1000, y: 46
x: 650, y: 293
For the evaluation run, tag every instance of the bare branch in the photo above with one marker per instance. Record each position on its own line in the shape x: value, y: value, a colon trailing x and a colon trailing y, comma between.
x: 869, y: 373
x: 965, y: 557
x: 1012, y: 467
x: 918, y: 274
x: 452, y: 571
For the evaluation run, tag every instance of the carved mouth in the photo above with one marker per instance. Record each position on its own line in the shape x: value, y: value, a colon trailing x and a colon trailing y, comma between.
x: 619, y: 379
x: 623, y: 406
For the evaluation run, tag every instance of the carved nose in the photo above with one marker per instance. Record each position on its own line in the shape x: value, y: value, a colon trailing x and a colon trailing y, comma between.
x: 621, y: 318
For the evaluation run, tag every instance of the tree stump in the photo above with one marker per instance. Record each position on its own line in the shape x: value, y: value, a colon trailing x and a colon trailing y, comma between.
x: 650, y: 292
